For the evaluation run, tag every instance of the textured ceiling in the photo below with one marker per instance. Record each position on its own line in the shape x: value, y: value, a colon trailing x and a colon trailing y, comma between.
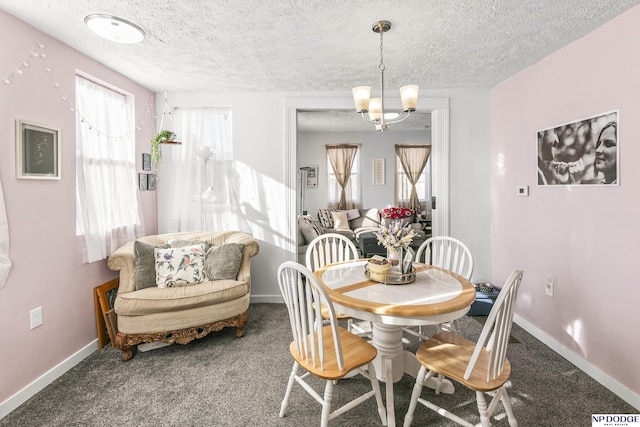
x: 321, y: 45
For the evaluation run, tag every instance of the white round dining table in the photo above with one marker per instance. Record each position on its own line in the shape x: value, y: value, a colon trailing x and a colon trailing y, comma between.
x: 436, y: 296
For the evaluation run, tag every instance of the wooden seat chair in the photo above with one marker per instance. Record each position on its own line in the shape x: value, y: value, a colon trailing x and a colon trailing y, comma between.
x: 484, y: 369
x: 327, y: 249
x: 448, y: 253
x: 329, y: 352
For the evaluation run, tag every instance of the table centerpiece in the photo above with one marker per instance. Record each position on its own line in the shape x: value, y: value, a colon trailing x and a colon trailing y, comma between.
x: 396, y: 238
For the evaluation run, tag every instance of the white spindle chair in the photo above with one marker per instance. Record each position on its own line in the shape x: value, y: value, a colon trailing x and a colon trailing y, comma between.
x: 481, y: 367
x: 327, y: 249
x: 448, y: 253
x: 329, y: 352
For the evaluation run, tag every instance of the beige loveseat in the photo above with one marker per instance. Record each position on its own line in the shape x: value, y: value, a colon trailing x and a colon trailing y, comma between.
x: 180, y: 314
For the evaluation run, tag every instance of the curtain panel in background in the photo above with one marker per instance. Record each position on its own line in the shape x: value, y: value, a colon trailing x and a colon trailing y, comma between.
x: 413, y: 159
x: 341, y: 158
x: 107, y: 205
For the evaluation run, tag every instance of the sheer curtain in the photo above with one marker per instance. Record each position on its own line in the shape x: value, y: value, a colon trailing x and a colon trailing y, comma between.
x: 199, y: 185
x: 107, y: 208
x: 341, y: 158
x: 5, y: 262
x: 413, y: 159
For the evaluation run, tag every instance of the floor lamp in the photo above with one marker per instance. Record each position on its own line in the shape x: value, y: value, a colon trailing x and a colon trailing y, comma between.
x: 206, y: 153
x: 304, y: 171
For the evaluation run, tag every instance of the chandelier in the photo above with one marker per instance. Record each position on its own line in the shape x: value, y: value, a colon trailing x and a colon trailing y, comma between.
x: 375, y: 106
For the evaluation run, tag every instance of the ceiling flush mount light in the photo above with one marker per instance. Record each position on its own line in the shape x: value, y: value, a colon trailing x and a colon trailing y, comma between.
x: 114, y: 29
x: 375, y: 106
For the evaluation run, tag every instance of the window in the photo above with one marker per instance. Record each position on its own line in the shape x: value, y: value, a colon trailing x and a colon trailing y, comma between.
x: 403, y: 186
x: 106, y: 186
x: 353, y: 187
x: 201, y: 182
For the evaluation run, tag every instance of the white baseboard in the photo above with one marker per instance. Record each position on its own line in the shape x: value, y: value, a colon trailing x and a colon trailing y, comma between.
x: 32, y: 389
x: 617, y: 388
x: 270, y: 299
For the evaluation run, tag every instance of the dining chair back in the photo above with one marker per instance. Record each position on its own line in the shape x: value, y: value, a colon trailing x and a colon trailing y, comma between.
x: 448, y: 253
x: 482, y: 366
x: 322, y: 349
x: 329, y: 248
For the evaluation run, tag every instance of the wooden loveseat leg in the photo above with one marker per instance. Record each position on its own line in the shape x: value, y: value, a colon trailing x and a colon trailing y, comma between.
x: 127, y: 342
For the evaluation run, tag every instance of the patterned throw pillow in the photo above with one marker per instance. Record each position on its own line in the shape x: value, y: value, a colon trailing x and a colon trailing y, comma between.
x: 179, y: 266
x: 324, y: 215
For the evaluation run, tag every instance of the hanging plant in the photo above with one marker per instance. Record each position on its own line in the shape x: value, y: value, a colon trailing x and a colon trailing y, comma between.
x: 161, y: 137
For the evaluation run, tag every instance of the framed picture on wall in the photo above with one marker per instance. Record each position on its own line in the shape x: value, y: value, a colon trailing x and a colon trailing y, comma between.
x: 312, y: 176
x: 142, y: 181
x: 151, y: 181
x: 378, y: 171
x: 582, y: 152
x: 146, y: 161
x: 37, y: 151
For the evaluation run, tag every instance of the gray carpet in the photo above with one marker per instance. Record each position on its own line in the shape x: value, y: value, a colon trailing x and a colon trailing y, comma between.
x: 221, y: 380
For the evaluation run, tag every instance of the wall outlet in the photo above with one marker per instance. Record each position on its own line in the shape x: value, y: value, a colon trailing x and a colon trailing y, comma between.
x: 523, y: 191
x: 549, y: 284
x: 36, y: 317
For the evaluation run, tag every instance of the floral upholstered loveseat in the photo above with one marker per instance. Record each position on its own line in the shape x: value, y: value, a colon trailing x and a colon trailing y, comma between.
x: 177, y: 287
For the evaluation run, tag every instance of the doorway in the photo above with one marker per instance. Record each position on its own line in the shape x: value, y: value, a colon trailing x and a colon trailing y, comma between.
x: 439, y: 110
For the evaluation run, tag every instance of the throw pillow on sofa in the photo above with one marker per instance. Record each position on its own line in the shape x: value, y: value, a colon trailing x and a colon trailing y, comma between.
x: 324, y: 216
x: 340, y: 220
x: 144, y: 271
x: 353, y: 214
x: 223, y: 262
x: 309, y: 228
x: 179, y: 266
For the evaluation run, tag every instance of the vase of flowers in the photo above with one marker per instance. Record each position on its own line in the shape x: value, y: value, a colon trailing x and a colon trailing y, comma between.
x: 396, y: 239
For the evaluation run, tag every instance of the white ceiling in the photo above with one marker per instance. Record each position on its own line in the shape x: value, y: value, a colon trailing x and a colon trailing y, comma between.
x: 321, y: 45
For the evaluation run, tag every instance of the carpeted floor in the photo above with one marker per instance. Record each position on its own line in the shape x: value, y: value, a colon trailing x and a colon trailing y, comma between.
x: 221, y: 380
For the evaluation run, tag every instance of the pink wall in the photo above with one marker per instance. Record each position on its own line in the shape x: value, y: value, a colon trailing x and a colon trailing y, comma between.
x: 47, y: 261
x: 585, y: 237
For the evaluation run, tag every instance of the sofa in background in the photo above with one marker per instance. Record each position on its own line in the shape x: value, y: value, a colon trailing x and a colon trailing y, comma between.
x: 181, y: 312
x: 349, y: 223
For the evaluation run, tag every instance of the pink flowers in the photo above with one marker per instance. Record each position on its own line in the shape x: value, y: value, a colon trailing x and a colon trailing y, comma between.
x: 397, y: 213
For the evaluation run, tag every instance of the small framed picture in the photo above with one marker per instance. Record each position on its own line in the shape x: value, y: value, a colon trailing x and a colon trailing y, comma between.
x: 312, y: 177
x: 378, y: 171
x: 146, y: 161
x: 151, y: 181
x: 37, y: 151
x: 142, y: 181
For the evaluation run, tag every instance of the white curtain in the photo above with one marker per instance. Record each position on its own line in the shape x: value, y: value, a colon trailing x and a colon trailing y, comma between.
x: 5, y: 262
x: 199, y: 183
x: 107, y: 206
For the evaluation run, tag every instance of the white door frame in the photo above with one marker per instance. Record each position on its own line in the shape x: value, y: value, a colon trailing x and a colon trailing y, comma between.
x: 439, y: 109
